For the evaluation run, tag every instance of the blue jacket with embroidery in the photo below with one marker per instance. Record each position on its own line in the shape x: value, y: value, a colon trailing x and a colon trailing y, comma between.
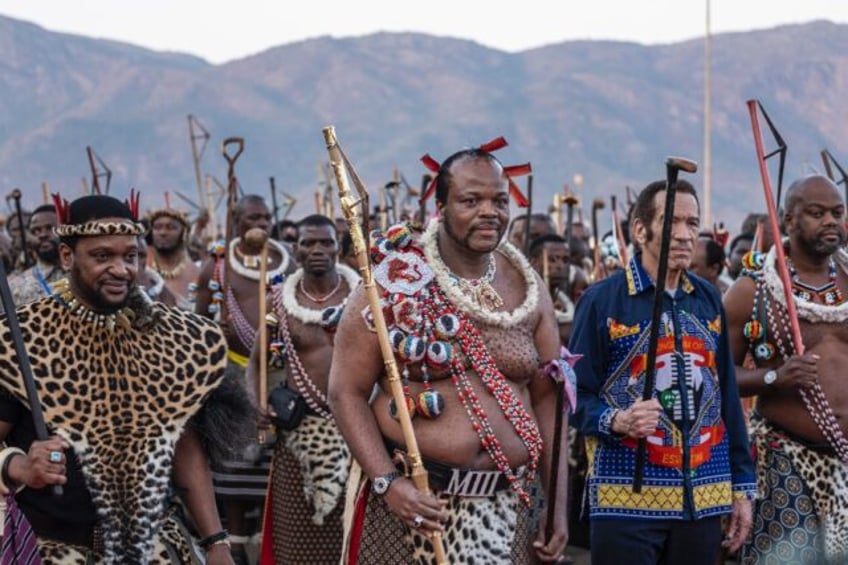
x: 699, y: 458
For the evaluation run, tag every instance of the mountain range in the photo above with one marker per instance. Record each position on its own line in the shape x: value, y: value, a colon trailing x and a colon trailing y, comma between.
x: 599, y: 116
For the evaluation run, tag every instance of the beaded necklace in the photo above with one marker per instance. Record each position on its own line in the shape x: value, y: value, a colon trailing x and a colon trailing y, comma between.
x: 252, y: 273
x: 429, y: 319
x: 829, y: 293
x: 313, y: 315
x: 480, y: 290
x: 110, y: 321
x: 464, y: 303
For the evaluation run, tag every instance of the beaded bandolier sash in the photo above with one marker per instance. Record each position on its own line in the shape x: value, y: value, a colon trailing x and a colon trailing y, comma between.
x: 282, y: 347
x: 226, y: 255
x: 770, y: 318
x: 431, y: 318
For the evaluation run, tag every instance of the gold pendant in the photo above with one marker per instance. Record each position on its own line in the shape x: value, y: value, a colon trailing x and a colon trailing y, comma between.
x: 488, y: 297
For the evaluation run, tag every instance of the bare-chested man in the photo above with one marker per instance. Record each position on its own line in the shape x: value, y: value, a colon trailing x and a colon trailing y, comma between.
x: 169, y: 236
x: 472, y: 328
x: 802, y: 512
x: 307, y: 485
x: 231, y: 283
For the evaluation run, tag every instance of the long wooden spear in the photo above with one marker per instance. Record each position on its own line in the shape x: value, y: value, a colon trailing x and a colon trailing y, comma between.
x: 352, y: 208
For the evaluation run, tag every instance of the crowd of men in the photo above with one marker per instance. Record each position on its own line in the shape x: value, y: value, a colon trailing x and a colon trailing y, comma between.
x: 145, y: 337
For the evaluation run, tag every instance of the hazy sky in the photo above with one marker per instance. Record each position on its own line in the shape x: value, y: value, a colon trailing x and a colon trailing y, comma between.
x: 220, y: 30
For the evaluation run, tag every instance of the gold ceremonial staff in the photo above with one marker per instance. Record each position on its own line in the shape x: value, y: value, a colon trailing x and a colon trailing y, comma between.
x: 351, y: 209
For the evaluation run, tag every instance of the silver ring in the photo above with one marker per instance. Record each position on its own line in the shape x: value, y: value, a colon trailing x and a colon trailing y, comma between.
x: 55, y: 456
x: 417, y: 521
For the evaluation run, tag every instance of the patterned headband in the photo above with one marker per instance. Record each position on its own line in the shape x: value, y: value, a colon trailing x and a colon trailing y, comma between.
x: 514, y: 170
x: 178, y: 215
x: 97, y: 227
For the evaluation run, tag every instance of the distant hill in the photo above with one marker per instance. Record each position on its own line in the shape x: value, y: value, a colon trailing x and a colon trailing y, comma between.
x: 609, y: 111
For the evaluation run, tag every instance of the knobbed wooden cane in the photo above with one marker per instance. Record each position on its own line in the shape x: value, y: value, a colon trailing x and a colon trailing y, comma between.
x: 673, y: 166
x: 351, y: 209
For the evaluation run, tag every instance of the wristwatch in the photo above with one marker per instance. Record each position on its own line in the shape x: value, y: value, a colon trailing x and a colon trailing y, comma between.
x: 770, y: 377
x: 382, y: 483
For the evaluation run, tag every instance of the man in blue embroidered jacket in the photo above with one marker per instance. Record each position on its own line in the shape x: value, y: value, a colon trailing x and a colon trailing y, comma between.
x: 698, y: 466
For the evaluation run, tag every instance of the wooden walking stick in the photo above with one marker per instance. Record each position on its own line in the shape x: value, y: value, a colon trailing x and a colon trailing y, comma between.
x: 352, y: 208
x: 256, y: 237
x: 673, y: 166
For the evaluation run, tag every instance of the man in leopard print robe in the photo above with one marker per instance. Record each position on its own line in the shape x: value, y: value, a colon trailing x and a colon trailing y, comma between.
x: 123, y: 385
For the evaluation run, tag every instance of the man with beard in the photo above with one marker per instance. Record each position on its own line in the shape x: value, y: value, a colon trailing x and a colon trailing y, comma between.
x: 473, y: 330
x: 125, y: 400
x: 35, y: 282
x: 229, y: 282
x: 697, y: 465
x: 169, y: 235
x: 799, y: 422
x: 304, y: 523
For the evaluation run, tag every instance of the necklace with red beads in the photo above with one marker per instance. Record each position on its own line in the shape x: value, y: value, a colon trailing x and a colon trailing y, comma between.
x: 429, y: 328
x: 828, y: 293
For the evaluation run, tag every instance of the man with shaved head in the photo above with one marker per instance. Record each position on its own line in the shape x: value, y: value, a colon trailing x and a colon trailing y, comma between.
x: 801, y: 414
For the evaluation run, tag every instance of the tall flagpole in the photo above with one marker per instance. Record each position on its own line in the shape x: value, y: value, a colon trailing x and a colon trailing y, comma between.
x: 707, y: 161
